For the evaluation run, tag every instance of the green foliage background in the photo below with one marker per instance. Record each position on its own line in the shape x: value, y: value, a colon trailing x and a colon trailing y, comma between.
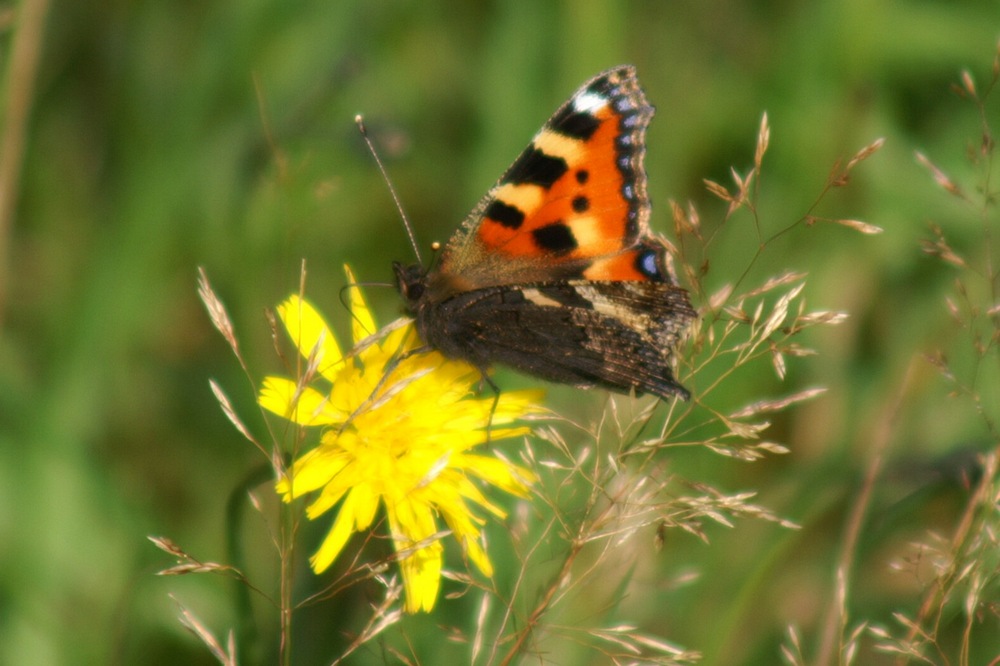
x: 166, y: 136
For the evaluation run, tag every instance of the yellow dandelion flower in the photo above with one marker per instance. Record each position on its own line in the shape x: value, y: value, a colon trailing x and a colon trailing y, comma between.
x: 399, y: 431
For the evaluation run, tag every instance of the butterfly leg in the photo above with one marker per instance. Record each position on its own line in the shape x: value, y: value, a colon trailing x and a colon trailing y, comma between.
x: 496, y: 400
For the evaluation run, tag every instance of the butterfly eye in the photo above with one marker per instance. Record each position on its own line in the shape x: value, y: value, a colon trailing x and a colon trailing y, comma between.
x: 410, y: 280
x: 413, y: 291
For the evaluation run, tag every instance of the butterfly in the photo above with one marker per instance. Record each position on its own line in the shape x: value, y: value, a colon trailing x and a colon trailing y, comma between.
x: 556, y: 272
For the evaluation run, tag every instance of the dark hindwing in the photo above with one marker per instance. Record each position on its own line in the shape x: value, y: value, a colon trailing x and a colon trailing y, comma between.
x: 618, y: 335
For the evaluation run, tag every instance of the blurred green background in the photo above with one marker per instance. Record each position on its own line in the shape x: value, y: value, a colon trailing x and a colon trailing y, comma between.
x: 163, y: 136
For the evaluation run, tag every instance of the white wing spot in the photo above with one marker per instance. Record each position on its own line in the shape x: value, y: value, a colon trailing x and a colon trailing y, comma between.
x: 589, y: 102
x: 605, y: 306
x: 538, y: 298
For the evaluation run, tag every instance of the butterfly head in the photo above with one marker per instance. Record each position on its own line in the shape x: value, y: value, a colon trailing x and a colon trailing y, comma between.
x: 411, y: 281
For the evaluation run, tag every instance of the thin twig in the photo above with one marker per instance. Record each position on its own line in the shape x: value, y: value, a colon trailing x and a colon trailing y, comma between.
x: 20, y: 95
x: 836, y: 615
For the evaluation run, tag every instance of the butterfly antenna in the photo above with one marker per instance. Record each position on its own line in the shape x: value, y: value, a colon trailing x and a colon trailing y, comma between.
x: 360, y: 121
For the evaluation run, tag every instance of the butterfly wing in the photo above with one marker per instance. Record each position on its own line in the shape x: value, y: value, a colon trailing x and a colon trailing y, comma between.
x: 571, y: 205
x: 618, y: 335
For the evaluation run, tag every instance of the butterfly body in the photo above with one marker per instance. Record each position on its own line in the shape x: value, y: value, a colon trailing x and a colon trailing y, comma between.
x: 556, y: 272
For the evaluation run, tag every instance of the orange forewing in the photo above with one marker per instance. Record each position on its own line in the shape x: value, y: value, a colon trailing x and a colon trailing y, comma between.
x: 599, y: 230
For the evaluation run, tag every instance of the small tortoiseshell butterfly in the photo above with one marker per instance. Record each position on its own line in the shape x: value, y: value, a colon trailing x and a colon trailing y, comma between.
x: 556, y: 272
